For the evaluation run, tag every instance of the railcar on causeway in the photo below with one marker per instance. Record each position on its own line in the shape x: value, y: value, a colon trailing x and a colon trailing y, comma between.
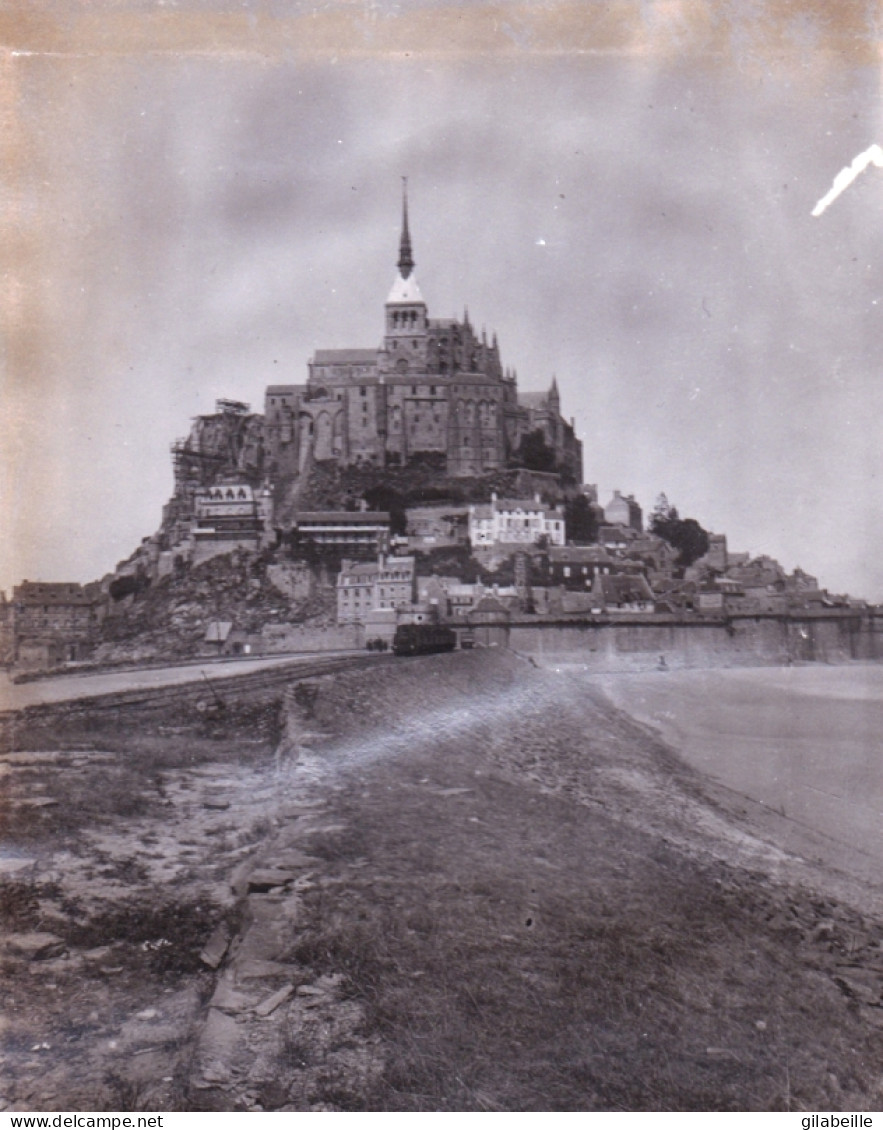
x: 423, y: 639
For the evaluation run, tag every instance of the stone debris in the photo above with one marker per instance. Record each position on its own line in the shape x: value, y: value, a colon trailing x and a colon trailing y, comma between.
x: 216, y: 947
x: 272, y: 1002
x: 268, y: 879
x: 35, y: 946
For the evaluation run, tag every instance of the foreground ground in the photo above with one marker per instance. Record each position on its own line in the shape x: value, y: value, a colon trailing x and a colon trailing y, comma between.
x: 454, y: 883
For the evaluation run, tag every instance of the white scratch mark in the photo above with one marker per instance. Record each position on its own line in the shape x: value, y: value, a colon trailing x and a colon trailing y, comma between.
x: 871, y: 156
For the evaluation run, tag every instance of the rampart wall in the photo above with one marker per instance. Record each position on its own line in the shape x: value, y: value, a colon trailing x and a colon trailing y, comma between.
x: 608, y: 644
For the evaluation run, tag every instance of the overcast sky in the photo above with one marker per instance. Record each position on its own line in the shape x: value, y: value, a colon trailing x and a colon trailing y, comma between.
x: 199, y: 195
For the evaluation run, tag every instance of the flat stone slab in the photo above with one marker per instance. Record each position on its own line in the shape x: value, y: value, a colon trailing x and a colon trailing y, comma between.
x: 255, y: 969
x: 36, y: 946
x: 272, y: 1002
x: 215, y: 948
x: 268, y: 879
x: 289, y: 860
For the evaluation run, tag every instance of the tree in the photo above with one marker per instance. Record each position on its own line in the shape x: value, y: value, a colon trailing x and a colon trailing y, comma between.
x: 580, y: 520
x: 684, y: 534
x: 388, y: 499
x: 534, y: 453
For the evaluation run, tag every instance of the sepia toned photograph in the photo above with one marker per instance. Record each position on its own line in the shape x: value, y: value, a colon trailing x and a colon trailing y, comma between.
x: 441, y: 572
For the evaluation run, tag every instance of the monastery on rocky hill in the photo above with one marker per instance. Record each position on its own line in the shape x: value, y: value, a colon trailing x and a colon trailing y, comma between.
x: 433, y: 391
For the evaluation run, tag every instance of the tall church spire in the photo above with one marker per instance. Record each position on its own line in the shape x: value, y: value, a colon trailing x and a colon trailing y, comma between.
x: 406, y: 258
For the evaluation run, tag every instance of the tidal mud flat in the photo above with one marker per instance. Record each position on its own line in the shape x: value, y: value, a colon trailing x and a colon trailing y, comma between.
x: 804, y: 742
x: 449, y: 883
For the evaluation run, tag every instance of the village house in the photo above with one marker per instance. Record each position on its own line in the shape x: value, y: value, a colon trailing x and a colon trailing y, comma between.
x: 515, y: 522
x: 617, y: 537
x: 576, y: 566
x: 622, y: 593
x: 364, y: 586
x: 52, y: 624
x: 230, y: 515
x: 624, y: 511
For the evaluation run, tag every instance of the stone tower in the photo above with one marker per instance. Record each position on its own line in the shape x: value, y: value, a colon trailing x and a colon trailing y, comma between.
x: 404, y: 342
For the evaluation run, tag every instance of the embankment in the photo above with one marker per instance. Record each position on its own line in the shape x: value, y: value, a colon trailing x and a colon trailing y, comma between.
x: 509, y: 896
x: 638, y: 642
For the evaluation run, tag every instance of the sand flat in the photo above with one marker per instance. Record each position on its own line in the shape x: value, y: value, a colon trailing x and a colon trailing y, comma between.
x: 805, y: 741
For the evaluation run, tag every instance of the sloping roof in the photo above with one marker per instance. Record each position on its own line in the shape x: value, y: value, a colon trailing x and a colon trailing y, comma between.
x: 490, y: 603
x: 359, y: 569
x: 577, y: 601
x: 218, y: 631
x: 528, y: 505
x: 533, y: 399
x: 405, y: 290
x: 578, y: 554
x: 617, y: 534
x: 284, y: 390
x: 345, y: 357
x: 621, y: 589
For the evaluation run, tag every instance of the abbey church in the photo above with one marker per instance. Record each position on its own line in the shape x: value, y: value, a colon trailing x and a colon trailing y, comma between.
x: 433, y: 391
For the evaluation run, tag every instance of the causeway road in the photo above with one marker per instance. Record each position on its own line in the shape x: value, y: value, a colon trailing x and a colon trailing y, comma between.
x: 79, y: 685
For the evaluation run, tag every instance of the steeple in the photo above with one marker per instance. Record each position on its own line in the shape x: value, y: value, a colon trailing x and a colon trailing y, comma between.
x: 406, y: 258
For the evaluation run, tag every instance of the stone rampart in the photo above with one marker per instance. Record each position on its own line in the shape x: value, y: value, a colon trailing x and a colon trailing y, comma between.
x: 642, y: 642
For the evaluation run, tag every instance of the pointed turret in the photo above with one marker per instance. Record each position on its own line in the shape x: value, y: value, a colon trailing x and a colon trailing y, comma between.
x: 406, y: 257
